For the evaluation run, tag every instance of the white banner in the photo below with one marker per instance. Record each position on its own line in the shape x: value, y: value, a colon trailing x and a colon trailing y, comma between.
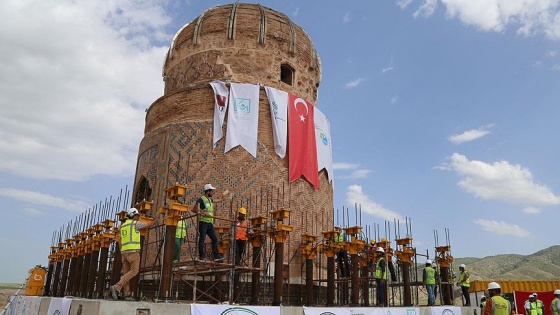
x: 278, y: 101
x: 446, y: 310
x: 243, y: 117
x: 24, y: 305
x: 323, y: 141
x: 361, y: 311
x: 221, y: 309
x: 59, y: 306
x: 221, y: 94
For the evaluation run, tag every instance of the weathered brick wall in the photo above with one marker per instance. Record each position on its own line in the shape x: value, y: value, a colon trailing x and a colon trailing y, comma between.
x: 177, y: 146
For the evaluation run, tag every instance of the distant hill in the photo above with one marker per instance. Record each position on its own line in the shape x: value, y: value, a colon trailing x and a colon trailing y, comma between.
x: 542, y: 265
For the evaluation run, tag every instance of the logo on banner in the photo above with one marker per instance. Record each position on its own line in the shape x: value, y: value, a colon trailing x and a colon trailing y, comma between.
x: 242, y: 105
x: 221, y: 101
x: 411, y: 311
x: 324, y: 138
x: 238, y: 310
x: 447, y: 312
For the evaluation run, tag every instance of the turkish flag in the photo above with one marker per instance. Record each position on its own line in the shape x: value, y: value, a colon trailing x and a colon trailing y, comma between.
x: 301, y: 141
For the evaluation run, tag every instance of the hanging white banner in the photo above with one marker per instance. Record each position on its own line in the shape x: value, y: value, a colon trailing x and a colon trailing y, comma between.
x: 59, y: 306
x: 221, y: 94
x: 446, y: 310
x: 278, y: 101
x: 243, y: 117
x: 323, y: 141
x: 24, y: 305
x: 361, y: 310
x: 221, y: 309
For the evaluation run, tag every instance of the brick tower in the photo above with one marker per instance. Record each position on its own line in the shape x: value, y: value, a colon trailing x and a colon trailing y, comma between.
x: 240, y: 43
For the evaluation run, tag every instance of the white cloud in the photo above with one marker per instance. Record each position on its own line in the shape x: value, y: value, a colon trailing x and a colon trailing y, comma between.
x: 403, y: 3
x: 354, y: 195
x: 470, y: 135
x: 502, y: 228
x: 33, y: 212
x: 556, y: 67
x: 296, y: 11
x: 528, y: 16
x: 394, y: 99
x: 345, y: 166
x: 37, y: 198
x: 361, y: 173
x: 76, y: 78
x: 385, y: 70
x: 346, y: 17
x: 531, y: 210
x: 353, y: 84
x: 551, y: 53
x: 426, y: 9
x: 501, y: 180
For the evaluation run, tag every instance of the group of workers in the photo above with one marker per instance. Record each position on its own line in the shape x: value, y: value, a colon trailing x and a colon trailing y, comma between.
x: 130, y: 245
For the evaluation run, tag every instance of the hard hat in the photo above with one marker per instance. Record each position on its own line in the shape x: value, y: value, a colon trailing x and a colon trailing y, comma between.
x: 132, y: 212
x: 493, y: 285
x: 531, y: 296
x: 557, y: 291
x: 428, y: 262
x: 383, y: 239
x: 242, y: 210
x: 372, y: 241
x: 462, y: 266
x: 380, y: 250
x: 337, y: 227
x: 209, y: 187
x: 483, y: 298
x: 535, y: 294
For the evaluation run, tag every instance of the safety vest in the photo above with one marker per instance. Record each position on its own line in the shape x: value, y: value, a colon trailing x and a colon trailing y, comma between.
x: 464, y: 279
x: 380, y: 274
x: 554, y: 307
x: 181, y: 230
x: 539, y: 307
x: 208, y: 208
x: 500, y: 306
x: 430, y: 275
x: 241, y: 230
x: 339, y: 238
x: 130, y: 238
x: 533, y: 308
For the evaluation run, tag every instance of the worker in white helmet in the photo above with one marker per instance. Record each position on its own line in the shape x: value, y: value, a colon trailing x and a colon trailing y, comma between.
x: 381, y: 276
x: 464, y: 282
x: 129, y: 234
x: 205, y: 207
x: 429, y: 281
x: 540, y: 304
x: 531, y: 307
x: 496, y: 304
x: 555, y: 305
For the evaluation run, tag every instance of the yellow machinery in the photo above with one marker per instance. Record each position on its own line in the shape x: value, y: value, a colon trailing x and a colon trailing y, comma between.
x: 35, y: 284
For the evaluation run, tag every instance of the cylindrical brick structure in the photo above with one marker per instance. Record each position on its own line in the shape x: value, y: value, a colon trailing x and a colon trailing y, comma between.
x: 240, y: 43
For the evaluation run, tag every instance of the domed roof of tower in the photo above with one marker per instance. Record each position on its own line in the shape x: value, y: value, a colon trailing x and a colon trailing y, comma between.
x: 224, y: 35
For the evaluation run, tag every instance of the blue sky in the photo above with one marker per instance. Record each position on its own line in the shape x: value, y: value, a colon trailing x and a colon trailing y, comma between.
x: 442, y: 111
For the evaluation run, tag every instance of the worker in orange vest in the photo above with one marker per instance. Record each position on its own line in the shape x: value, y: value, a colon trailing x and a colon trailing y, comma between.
x: 241, y: 235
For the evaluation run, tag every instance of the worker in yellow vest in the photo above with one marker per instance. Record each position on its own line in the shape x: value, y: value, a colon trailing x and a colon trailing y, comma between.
x: 381, y: 276
x: 531, y: 307
x: 464, y: 282
x: 205, y: 207
x: 180, y: 237
x: 429, y: 281
x: 342, y: 254
x: 496, y: 304
x: 129, y: 233
x: 555, y: 305
x: 540, y: 304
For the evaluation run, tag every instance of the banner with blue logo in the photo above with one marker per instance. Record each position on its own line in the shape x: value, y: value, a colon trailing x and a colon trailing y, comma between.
x: 222, y: 309
x: 361, y: 311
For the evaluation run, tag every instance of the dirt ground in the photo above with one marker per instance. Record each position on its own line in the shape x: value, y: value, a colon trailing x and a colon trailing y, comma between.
x: 5, y: 291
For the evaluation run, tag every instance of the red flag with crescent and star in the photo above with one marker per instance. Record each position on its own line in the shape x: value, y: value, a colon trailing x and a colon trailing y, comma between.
x: 301, y: 141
